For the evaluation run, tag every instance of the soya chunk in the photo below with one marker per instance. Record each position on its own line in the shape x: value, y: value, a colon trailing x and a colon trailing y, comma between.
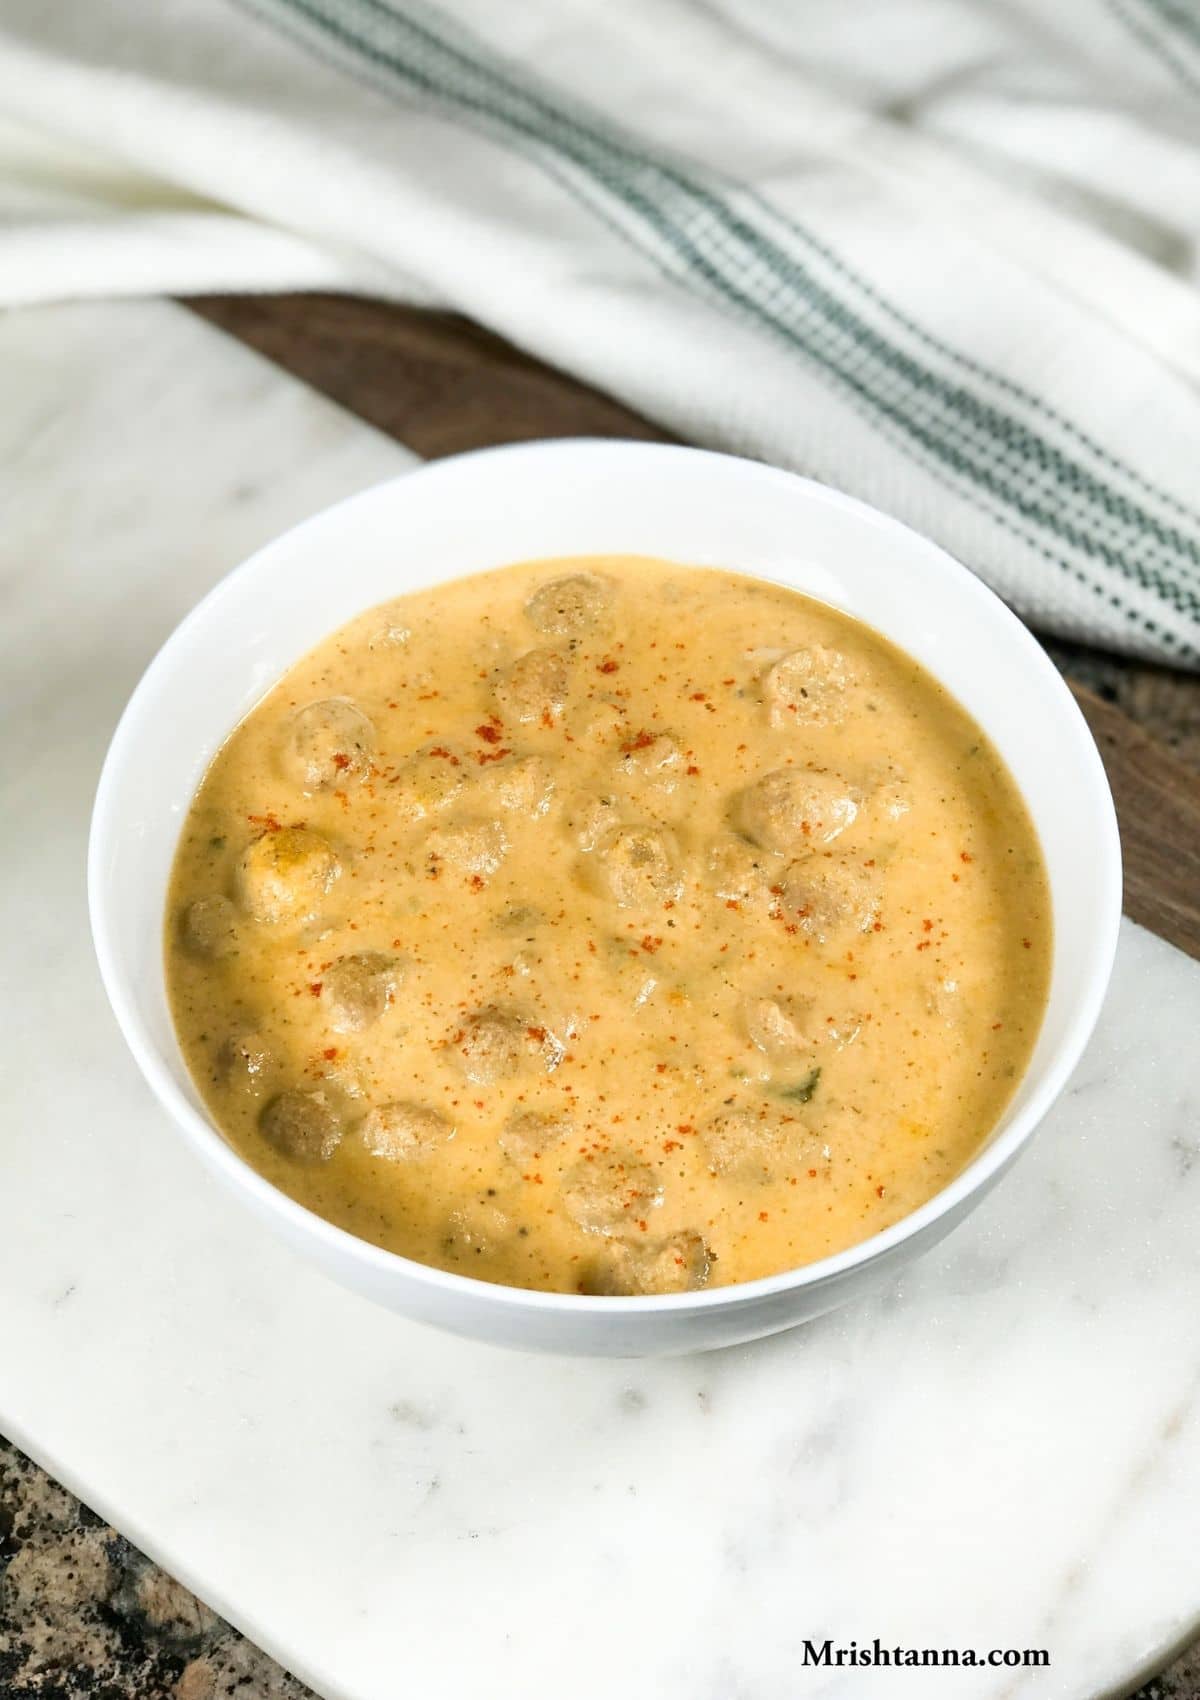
x: 889, y: 791
x: 829, y: 897
x: 738, y: 871
x: 778, y: 1026
x: 244, y: 1061
x: 210, y: 927
x: 523, y: 786
x: 629, y: 973
x: 791, y: 1030
x: 534, y: 687
x: 286, y: 875
x: 571, y: 606
x: 680, y: 1263
x: 639, y: 866
x: 795, y: 809
x: 326, y: 744
x: 472, y: 846
x: 496, y: 1043
x: 743, y: 1139
x: 356, y: 989
x: 651, y: 764
x: 404, y: 1132
x: 479, y: 1230
x: 944, y: 999
x: 807, y: 687
x: 611, y: 1192
x: 426, y: 782
x: 303, y: 1124
x: 527, y: 1134
x: 600, y: 723
x: 588, y: 818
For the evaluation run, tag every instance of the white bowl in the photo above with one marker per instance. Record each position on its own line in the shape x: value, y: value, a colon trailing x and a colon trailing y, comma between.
x: 576, y: 498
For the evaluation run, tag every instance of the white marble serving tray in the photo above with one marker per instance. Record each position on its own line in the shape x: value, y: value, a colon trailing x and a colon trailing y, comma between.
x: 1000, y: 1451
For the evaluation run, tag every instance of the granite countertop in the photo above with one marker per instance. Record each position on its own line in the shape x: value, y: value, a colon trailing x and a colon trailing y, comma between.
x: 84, y: 1616
x: 82, y: 1613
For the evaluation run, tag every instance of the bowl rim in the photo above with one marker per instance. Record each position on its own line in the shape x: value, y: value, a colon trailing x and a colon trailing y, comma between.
x: 339, y: 1243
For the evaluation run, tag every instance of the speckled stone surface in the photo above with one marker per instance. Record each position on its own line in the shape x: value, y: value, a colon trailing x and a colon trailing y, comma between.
x: 83, y: 1616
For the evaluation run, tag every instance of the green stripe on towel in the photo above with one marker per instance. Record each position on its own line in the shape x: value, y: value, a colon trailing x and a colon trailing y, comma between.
x: 1031, y: 469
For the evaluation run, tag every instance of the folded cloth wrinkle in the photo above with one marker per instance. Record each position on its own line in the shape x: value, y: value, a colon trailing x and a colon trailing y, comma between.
x: 937, y: 253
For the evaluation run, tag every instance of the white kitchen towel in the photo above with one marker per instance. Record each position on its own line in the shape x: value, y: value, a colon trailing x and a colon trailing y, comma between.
x: 940, y: 253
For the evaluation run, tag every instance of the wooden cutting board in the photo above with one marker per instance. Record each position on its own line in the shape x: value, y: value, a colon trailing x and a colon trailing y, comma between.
x: 441, y: 385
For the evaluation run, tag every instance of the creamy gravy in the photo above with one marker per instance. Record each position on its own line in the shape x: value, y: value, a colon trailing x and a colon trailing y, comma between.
x: 608, y: 926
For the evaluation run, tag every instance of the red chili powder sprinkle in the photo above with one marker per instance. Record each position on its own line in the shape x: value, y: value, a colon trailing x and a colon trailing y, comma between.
x: 489, y: 734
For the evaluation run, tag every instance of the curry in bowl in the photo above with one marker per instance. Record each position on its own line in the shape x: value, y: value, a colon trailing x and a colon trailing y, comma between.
x: 608, y: 926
